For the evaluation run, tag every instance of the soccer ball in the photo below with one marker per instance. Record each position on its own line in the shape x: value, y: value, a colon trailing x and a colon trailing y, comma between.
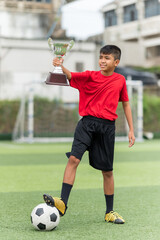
x: 44, y: 217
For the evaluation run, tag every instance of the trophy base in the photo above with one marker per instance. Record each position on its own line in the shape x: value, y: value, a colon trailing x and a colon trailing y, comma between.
x: 57, y: 79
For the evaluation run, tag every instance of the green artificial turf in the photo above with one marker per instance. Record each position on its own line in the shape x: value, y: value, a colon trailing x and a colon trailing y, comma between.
x: 28, y: 171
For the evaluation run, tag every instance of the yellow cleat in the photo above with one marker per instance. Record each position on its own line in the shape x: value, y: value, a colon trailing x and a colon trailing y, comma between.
x: 114, y: 217
x: 55, y: 202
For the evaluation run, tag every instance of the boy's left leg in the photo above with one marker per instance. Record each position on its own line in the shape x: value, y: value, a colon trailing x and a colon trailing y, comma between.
x: 108, y: 184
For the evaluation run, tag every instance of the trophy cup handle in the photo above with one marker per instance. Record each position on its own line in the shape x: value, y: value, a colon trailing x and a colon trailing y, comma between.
x: 51, y: 43
x: 70, y: 45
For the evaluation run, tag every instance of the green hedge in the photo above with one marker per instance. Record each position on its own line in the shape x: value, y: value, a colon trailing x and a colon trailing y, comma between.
x: 155, y: 69
x: 45, y: 109
x: 8, y: 114
x: 51, y: 118
x: 151, y: 110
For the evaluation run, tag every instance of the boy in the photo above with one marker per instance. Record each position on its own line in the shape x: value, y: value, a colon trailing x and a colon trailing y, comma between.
x: 100, y: 92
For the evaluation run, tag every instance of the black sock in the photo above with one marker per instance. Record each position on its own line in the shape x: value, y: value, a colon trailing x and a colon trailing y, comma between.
x: 109, y: 202
x: 66, y: 189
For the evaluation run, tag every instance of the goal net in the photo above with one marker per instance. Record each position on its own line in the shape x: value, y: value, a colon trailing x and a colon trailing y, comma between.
x: 45, y: 119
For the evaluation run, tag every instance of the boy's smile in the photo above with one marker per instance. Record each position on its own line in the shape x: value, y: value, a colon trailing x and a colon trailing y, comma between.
x: 107, y: 64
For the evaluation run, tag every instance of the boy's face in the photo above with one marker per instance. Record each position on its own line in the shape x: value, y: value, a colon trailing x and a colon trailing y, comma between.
x: 107, y: 63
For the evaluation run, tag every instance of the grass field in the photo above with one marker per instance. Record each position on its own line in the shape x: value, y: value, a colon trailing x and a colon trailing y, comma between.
x: 28, y: 171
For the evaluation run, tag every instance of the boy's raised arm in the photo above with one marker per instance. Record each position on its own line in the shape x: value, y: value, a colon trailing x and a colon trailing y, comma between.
x: 67, y: 72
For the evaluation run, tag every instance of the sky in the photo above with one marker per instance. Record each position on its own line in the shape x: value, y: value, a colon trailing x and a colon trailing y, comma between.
x: 83, y: 18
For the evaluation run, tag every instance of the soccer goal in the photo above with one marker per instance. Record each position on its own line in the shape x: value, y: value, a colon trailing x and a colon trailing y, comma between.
x: 135, y: 92
x: 45, y: 119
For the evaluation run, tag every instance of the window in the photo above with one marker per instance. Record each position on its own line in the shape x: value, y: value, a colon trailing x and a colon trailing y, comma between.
x: 130, y: 13
x: 152, y: 8
x: 110, y: 18
x: 153, y: 52
x: 158, y: 51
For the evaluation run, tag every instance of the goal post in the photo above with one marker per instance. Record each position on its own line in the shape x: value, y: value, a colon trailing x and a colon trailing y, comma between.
x: 44, y: 120
x: 135, y: 93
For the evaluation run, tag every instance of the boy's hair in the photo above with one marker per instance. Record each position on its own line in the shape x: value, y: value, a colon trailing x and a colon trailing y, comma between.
x: 111, y: 49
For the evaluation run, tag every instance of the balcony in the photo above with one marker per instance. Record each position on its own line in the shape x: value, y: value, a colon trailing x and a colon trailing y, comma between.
x: 129, y: 31
x: 150, y: 26
x: 125, y: 32
x: 146, y: 28
x: 26, y: 6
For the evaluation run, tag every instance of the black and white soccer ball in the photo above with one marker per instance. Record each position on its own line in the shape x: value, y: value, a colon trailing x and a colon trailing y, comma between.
x: 44, y: 217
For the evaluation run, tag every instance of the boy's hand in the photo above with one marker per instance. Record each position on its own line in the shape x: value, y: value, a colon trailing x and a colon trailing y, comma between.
x: 57, y: 61
x: 131, y: 138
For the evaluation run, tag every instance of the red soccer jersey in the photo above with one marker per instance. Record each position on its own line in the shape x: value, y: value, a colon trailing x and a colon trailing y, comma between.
x: 99, y: 94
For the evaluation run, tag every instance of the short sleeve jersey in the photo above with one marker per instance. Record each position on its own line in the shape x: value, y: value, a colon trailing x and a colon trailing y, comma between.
x: 98, y: 94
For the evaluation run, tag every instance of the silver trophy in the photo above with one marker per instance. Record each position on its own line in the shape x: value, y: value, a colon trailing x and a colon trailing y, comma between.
x: 57, y: 77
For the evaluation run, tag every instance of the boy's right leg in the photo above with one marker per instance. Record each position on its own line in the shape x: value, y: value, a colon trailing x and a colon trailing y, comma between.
x: 70, y: 171
x: 68, y: 181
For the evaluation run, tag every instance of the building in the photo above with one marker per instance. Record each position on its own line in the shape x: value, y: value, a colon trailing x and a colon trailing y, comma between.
x: 25, y: 57
x: 30, y: 19
x: 26, y: 63
x: 26, y: 19
x: 134, y: 25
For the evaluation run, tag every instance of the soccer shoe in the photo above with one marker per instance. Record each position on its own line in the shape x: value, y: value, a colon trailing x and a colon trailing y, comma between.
x: 55, y: 202
x: 114, y: 217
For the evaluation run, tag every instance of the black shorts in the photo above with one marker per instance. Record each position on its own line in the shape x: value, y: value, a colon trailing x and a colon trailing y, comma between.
x: 97, y: 136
